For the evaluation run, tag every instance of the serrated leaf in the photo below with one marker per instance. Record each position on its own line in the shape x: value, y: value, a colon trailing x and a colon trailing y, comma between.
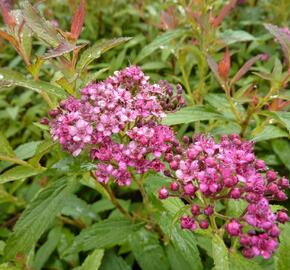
x: 40, y: 26
x: 40, y: 151
x: 104, y: 234
x: 189, y: 115
x: 282, y: 38
x: 38, y: 216
x: 269, y: 132
x: 245, y: 68
x: 97, y: 50
x: 61, y: 49
x: 220, y: 254
x: 14, y: 79
x: 93, y: 261
x: 5, y: 147
x: 282, y: 150
x: 44, y: 252
x: 236, y: 207
x: 158, y: 42
x: 238, y: 262
x: 148, y: 251
x: 113, y: 262
x: 232, y: 36
x: 284, y: 117
x: 17, y: 173
x: 27, y: 150
x: 282, y: 259
x: 185, y: 243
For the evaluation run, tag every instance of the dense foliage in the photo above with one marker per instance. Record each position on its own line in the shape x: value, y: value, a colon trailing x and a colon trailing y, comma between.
x: 144, y: 134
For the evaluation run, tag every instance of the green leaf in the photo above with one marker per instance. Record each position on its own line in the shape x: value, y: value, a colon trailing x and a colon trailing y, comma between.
x: 104, y: 234
x: 220, y: 254
x: 97, y: 50
x: 176, y: 258
x: 282, y: 258
x: 39, y: 26
x: 44, y: 252
x: 42, y: 149
x: 159, y: 42
x: 282, y: 38
x: 284, y: 117
x: 236, y: 207
x: 14, y: 79
x: 38, y: 216
x: 269, y: 132
x: 113, y: 262
x: 148, y: 251
x: 282, y: 150
x: 93, y: 261
x: 27, y: 150
x: 185, y: 243
x: 238, y: 262
x: 17, y: 173
x: 189, y: 115
x: 5, y: 147
x: 78, y: 208
x: 231, y: 36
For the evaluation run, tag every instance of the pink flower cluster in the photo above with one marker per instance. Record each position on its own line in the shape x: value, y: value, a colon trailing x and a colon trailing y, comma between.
x: 117, y: 120
x: 212, y: 171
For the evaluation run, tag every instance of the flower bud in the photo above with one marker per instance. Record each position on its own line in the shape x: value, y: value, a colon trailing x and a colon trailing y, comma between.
x: 271, y: 175
x: 195, y: 210
x: 174, y: 186
x: 282, y: 217
x: 189, y: 189
x: 163, y: 193
x: 235, y: 193
x: 203, y: 224
x: 260, y: 164
x: 234, y: 228
x: 248, y: 253
x: 208, y: 210
x: 187, y: 223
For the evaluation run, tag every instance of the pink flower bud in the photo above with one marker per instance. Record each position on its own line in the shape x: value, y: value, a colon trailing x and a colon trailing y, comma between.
x: 203, y: 224
x: 208, y: 210
x: 282, y: 217
x: 274, y: 231
x: 195, y: 210
x: 187, y: 223
x: 271, y: 175
x: 260, y: 164
x: 189, y: 189
x: 163, y: 193
x: 174, y: 186
x: 235, y: 193
x: 234, y: 228
x: 248, y: 253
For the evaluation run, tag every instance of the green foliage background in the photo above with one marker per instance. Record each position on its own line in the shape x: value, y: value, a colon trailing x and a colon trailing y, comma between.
x: 64, y: 219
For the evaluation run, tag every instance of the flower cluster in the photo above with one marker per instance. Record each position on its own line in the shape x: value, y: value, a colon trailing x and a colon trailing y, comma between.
x: 117, y: 120
x: 229, y: 170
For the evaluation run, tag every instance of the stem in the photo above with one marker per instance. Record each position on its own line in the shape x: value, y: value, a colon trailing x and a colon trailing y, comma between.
x: 16, y: 161
x: 115, y: 202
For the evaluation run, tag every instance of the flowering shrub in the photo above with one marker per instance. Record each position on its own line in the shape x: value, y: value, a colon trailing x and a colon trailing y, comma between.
x: 211, y: 172
x: 104, y: 167
x: 125, y: 105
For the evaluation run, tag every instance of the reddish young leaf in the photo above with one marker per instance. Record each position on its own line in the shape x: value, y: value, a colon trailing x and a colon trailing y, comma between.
x: 225, y: 65
x: 246, y: 67
x: 78, y: 21
x: 224, y: 12
x: 5, y: 9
